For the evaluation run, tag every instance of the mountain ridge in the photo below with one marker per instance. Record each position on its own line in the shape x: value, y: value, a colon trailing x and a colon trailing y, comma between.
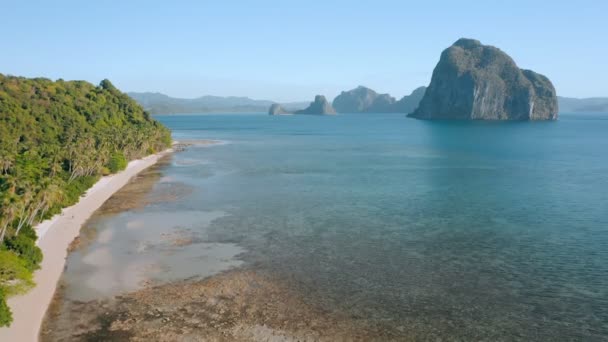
x: 159, y: 103
x: 581, y: 105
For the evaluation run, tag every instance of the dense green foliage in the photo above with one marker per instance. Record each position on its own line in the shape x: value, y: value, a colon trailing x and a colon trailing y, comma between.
x: 56, y: 140
x: 15, y: 276
x: 5, y: 312
x: 117, y: 162
x: 26, y: 248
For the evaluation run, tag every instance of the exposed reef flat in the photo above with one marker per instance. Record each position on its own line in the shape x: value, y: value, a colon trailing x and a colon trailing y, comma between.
x: 234, y: 306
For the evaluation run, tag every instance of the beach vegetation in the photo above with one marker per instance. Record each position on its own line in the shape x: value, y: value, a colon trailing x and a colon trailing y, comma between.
x: 117, y: 162
x: 57, y: 138
x: 15, y: 277
x: 6, y: 317
x: 25, y: 247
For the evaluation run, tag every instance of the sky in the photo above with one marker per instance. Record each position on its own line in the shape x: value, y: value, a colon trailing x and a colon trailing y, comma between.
x: 293, y: 50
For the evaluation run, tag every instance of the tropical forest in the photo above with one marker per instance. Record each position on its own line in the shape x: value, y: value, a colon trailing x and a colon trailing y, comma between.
x: 57, y: 138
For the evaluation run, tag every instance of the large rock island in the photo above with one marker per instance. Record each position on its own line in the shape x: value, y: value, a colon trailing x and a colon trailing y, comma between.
x: 320, y: 106
x: 479, y: 82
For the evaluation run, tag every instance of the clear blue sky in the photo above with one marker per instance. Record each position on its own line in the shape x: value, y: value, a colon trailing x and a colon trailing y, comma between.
x: 292, y: 50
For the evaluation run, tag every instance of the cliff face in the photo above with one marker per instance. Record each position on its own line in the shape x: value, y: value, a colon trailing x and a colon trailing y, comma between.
x: 365, y: 100
x: 409, y: 103
x: 478, y: 82
x: 319, y: 107
x: 277, y: 109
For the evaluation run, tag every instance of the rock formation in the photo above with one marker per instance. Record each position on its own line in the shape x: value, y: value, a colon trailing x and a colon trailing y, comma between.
x: 359, y: 100
x: 365, y: 100
x: 479, y: 82
x: 277, y: 109
x: 320, y: 106
x: 409, y: 103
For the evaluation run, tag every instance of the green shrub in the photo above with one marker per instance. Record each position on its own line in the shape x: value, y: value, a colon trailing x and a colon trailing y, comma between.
x: 15, y: 277
x: 26, y: 248
x: 117, y: 162
x: 29, y: 232
x: 77, y: 188
x: 6, y: 317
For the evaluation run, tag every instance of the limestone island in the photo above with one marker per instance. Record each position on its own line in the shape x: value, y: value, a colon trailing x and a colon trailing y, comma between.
x: 320, y: 106
x: 473, y: 81
x: 366, y: 100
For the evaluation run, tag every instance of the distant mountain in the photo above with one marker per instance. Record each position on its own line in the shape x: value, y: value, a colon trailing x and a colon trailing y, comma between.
x: 366, y: 100
x: 573, y: 105
x: 157, y: 103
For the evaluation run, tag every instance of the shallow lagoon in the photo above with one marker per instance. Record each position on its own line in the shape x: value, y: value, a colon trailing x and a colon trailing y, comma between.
x: 469, y: 230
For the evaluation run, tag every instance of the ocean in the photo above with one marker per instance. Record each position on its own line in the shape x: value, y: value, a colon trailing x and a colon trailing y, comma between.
x: 445, y: 230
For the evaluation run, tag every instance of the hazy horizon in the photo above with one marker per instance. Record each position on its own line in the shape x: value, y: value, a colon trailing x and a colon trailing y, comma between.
x: 289, y: 52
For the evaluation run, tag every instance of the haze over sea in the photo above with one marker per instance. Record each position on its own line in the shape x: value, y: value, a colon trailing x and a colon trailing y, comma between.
x: 471, y: 230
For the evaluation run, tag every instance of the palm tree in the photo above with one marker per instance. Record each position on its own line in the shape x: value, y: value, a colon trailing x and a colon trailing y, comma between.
x: 23, y: 208
x: 52, y: 195
x: 7, y: 215
x: 6, y: 163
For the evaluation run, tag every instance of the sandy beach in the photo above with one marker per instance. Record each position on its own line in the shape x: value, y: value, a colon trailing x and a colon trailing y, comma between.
x: 54, y: 237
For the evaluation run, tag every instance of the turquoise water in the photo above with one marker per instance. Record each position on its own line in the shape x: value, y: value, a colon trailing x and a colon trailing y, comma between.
x: 455, y: 230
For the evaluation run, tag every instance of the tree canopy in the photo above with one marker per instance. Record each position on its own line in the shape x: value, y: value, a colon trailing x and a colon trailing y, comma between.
x: 56, y: 139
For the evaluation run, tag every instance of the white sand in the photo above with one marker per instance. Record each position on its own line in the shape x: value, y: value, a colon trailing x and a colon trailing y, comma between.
x: 54, y: 237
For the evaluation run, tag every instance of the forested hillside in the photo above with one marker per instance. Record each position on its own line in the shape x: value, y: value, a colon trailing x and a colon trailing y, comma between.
x: 56, y: 139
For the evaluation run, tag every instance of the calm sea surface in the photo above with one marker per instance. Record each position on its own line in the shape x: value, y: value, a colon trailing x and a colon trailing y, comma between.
x: 470, y: 230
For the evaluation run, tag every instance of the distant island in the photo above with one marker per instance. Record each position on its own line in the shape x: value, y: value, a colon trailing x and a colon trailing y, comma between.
x: 277, y: 109
x: 357, y: 100
x: 473, y: 81
x: 366, y: 100
x: 320, y: 106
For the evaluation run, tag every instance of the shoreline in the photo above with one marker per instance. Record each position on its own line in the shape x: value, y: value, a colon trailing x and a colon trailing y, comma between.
x: 29, y: 309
